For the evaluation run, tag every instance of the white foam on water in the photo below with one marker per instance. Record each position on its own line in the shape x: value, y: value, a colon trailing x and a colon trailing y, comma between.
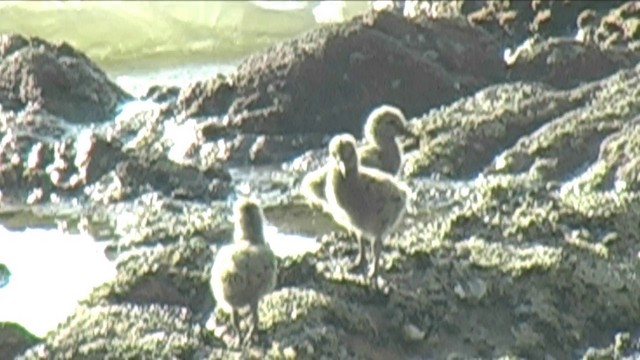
x: 50, y: 272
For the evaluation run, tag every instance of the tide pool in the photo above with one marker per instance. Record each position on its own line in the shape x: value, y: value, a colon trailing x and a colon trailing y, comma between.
x: 50, y: 271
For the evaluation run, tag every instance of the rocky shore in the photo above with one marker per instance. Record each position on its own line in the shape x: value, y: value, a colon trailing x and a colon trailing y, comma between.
x: 523, y: 241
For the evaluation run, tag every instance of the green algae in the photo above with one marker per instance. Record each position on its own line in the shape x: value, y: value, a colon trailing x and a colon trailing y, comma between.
x: 505, y: 128
x: 510, y: 259
x: 555, y: 263
x: 623, y: 346
x: 617, y: 165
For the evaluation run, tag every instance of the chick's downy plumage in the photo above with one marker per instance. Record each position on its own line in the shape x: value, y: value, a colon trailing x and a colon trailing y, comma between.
x: 381, y: 151
x: 245, y: 270
x: 367, y: 202
x: 381, y: 130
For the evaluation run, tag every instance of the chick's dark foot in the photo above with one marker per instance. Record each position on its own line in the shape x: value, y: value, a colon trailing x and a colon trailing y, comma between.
x: 361, y: 261
x: 250, y: 336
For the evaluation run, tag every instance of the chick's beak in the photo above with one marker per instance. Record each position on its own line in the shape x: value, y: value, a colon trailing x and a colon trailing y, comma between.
x: 339, y: 163
x: 342, y: 167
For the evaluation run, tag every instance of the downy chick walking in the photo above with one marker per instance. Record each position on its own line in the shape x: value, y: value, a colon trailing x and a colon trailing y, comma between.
x: 367, y: 202
x: 245, y: 270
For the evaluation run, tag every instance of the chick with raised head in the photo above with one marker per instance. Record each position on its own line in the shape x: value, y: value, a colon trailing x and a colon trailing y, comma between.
x: 244, y: 271
x: 367, y: 202
x: 381, y: 151
x: 381, y: 130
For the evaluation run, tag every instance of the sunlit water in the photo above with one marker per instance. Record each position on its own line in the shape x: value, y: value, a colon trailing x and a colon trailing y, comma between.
x: 122, y: 35
x: 137, y: 82
x: 285, y: 245
x: 52, y: 270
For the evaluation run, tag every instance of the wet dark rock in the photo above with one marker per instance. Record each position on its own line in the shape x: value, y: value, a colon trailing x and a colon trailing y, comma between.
x: 515, y: 21
x: 14, y: 340
x: 239, y: 149
x: 523, y: 123
x: 123, y: 331
x: 208, y: 97
x: 174, y: 275
x: 56, y: 78
x: 161, y: 94
x: 269, y: 149
x: 540, y: 229
x: 321, y: 82
x: 167, y: 221
x: 43, y: 160
x: 95, y: 156
x: 284, y: 91
x: 172, y: 179
x: 565, y: 62
x: 34, y: 153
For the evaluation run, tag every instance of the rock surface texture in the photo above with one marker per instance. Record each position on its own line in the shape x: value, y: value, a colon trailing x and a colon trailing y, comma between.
x: 524, y: 231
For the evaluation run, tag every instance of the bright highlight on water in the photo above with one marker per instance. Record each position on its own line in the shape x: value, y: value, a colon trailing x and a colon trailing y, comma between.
x: 125, y: 35
x: 50, y: 272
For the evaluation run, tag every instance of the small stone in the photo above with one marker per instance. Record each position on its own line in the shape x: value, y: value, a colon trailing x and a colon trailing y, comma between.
x: 289, y: 353
x: 5, y: 274
x: 411, y: 332
x: 473, y: 289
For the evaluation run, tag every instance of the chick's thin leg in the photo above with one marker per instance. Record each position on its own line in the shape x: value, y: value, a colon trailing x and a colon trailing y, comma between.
x: 254, y: 322
x: 235, y: 322
x: 361, y: 258
x: 376, y: 250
